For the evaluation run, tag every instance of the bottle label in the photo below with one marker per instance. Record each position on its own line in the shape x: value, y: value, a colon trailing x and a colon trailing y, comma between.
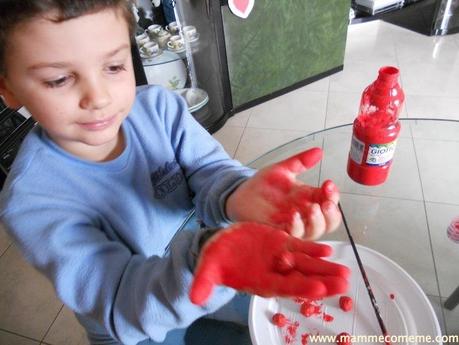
x: 357, y: 150
x: 380, y: 154
x: 377, y: 154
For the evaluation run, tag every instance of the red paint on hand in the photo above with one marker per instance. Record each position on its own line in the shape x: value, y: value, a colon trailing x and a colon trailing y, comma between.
x: 345, y: 303
x: 275, y: 196
x: 285, y: 263
x: 245, y: 257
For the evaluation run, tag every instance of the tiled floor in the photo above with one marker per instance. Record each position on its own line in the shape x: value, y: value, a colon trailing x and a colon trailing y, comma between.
x: 31, y: 314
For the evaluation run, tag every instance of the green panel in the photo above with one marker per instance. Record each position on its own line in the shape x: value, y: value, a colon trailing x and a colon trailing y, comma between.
x: 283, y: 42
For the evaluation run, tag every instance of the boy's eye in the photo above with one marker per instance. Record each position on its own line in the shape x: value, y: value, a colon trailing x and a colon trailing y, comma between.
x: 115, y: 68
x: 57, y: 82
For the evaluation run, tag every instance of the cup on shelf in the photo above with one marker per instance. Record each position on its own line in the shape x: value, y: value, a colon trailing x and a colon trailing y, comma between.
x: 150, y: 49
x: 142, y: 39
x: 175, y: 43
x: 154, y: 30
x: 173, y: 28
x: 190, y: 32
x: 162, y: 37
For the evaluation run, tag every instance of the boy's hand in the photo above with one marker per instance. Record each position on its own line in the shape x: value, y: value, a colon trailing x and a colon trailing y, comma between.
x: 264, y: 261
x: 275, y: 197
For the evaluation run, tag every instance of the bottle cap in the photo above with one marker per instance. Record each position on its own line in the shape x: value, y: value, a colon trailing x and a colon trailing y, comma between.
x: 453, y: 230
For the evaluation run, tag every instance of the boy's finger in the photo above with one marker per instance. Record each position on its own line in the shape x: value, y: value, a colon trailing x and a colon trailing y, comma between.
x: 296, y: 284
x: 331, y: 214
x: 314, y: 222
x: 300, y: 162
x: 310, y: 248
x: 330, y: 191
x: 203, y: 283
x: 313, y: 266
x: 335, y: 285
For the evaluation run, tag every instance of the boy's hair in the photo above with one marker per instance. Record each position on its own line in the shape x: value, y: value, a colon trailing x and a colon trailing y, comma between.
x: 15, y: 12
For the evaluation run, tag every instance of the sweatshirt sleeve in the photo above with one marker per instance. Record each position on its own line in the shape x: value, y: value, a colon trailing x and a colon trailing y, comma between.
x: 134, y: 297
x: 210, y: 172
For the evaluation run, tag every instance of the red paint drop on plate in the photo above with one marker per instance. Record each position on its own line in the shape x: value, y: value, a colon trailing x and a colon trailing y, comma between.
x: 328, y: 318
x: 345, y: 303
x: 343, y: 338
x: 279, y: 320
x: 304, y: 339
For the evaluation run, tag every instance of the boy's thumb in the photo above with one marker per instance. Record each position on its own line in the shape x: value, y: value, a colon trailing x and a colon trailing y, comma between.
x: 201, y: 289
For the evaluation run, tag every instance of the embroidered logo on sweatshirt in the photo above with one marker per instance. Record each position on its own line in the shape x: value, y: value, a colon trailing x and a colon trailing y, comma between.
x: 166, y: 179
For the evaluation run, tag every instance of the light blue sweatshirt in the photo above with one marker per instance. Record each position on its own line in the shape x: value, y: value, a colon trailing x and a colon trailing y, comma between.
x: 101, y: 231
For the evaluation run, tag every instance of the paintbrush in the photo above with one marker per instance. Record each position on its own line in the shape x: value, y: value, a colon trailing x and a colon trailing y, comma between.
x: 365, y: 279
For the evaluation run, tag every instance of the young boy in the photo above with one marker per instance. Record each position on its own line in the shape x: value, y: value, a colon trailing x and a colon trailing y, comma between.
x: 99, y: 189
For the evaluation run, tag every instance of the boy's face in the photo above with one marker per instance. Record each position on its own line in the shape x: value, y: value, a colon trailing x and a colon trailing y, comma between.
x: 75, y: 77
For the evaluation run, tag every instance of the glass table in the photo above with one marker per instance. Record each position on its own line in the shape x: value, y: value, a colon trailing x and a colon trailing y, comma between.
x: 407, y: 217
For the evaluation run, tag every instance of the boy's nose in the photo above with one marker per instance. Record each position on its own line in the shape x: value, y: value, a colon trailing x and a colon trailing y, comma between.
x: 95, y: 95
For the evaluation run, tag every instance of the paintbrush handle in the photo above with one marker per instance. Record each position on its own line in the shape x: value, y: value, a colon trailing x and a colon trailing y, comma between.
x: 364, y: 275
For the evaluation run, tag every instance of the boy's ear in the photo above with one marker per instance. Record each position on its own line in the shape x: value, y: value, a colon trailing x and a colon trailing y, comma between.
x: 7, y: 96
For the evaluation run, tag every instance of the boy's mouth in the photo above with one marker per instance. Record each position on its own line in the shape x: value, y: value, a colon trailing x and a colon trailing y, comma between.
x: 99, y: 124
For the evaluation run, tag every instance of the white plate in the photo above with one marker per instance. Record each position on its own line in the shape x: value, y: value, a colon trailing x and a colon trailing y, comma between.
x: 178, y: 51
x: 195, y: 98
x: 409, y: 313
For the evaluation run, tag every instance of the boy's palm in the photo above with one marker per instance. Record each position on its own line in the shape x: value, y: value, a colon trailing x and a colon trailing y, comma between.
x: 261, y: 260
x: 275, y: 197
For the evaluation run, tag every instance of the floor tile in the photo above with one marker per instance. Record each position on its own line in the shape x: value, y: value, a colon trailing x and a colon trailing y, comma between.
x: 66, y: 330
x: 398, y: 185
x: 432, y: 107
x: 438, y: 130
x: 239, y: 119
x: 319, y: 85
x: 424, y: 79
x: 437, y: 305
x: 439, y: 181
x: 5, y: 241
x: 7, y: 338
x: 297, y: 110
x: 452, y: 322
x: 357, y: 76
x: 370, y: 44
x: 414, y: 48
x: 396, y: 228
x: 342, y: 108
x: 446, y: 252
x: 229, y: 137
x: 28, y: 304
x: 256, y: 141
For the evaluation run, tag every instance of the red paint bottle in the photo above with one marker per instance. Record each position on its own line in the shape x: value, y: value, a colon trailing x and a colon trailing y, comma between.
x: 376, y: 129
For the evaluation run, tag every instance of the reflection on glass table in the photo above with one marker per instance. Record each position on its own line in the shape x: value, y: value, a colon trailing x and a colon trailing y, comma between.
x: 405, y: 219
